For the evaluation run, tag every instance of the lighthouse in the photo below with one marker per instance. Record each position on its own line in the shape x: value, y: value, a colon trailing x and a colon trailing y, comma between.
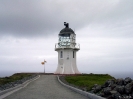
x: 67, y: 49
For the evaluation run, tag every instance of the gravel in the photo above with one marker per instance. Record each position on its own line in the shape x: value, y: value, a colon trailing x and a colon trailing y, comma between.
x: 46, y: 87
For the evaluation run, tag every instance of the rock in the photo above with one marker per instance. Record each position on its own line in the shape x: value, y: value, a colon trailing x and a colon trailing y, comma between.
x: 129, y: 88
x: 101, y: 94
x: 120, y: 82
x: 127, y: 80
x: 126, y: 97
x: 116, y: 96
x: 97, y: 88
x: 84, y: 88
x: 94, y: 86
x: 92, y: 91
x: 110, y: 97
x: 111, y: 82
x: 113, y: 86
x: 120, y: 89
x: 107, y: 90
x: 115, y: 89
x: 132, y: 82
x: 132, y: 94
x: 0, y: 88
x: 113, y: 92
x: 108, y: 83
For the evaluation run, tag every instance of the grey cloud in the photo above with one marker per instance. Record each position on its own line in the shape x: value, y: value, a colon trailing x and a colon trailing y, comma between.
x: 36, y: 18
x: 23, y: 18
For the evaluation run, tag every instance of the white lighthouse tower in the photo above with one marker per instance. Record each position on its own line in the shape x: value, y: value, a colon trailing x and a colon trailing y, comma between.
x: 67, y: 49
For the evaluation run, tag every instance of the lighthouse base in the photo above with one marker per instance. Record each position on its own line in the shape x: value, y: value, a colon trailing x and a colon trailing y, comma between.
x: 67, y: 70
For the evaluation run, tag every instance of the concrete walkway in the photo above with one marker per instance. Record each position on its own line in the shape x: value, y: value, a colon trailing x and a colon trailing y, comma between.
x: 46, y: 87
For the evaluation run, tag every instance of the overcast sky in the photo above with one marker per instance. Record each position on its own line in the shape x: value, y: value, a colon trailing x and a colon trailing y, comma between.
x: 29, y: 30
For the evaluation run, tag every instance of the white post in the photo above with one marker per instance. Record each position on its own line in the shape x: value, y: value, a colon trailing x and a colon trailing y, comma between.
x: 44, y: 68
x: 43, y: 63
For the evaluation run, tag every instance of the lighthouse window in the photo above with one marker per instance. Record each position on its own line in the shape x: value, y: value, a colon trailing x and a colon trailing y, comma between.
x: 64, y: 40
x: 61, y: 54
x: 73, y: 54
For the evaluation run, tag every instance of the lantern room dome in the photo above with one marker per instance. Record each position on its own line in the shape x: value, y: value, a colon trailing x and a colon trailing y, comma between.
x: 66, y: 30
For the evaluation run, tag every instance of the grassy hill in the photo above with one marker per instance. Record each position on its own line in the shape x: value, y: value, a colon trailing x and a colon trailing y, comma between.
x: 14, y: 77
x: 87, y: 81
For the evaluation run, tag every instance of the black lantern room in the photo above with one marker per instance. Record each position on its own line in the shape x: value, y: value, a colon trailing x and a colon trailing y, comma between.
x: 66, y: 36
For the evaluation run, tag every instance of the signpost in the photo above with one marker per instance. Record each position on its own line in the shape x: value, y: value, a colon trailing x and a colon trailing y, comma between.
x: 43, y: 63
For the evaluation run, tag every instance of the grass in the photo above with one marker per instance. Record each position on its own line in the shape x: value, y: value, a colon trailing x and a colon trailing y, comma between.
x: 13, y: 78
x: 87, y: 80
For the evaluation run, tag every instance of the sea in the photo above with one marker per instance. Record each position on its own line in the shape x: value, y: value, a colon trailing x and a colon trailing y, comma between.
x: 118, y: 75
x: 122, y: 75
x: 6, y: 73
x: 114, y: 74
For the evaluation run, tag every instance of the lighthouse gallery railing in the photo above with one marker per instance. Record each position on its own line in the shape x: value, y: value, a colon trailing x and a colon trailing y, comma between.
x: 74, y: 46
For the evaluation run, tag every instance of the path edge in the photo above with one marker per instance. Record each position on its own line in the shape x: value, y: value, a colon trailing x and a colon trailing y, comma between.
x: 87, y: 94
x: 9, y: 91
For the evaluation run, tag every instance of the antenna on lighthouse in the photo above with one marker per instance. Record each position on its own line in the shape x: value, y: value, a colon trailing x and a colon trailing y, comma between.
x: 66, y: 24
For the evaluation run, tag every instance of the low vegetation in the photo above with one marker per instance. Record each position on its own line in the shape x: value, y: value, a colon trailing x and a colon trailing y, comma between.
x: 87, y: 80
x: 13, y: 78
